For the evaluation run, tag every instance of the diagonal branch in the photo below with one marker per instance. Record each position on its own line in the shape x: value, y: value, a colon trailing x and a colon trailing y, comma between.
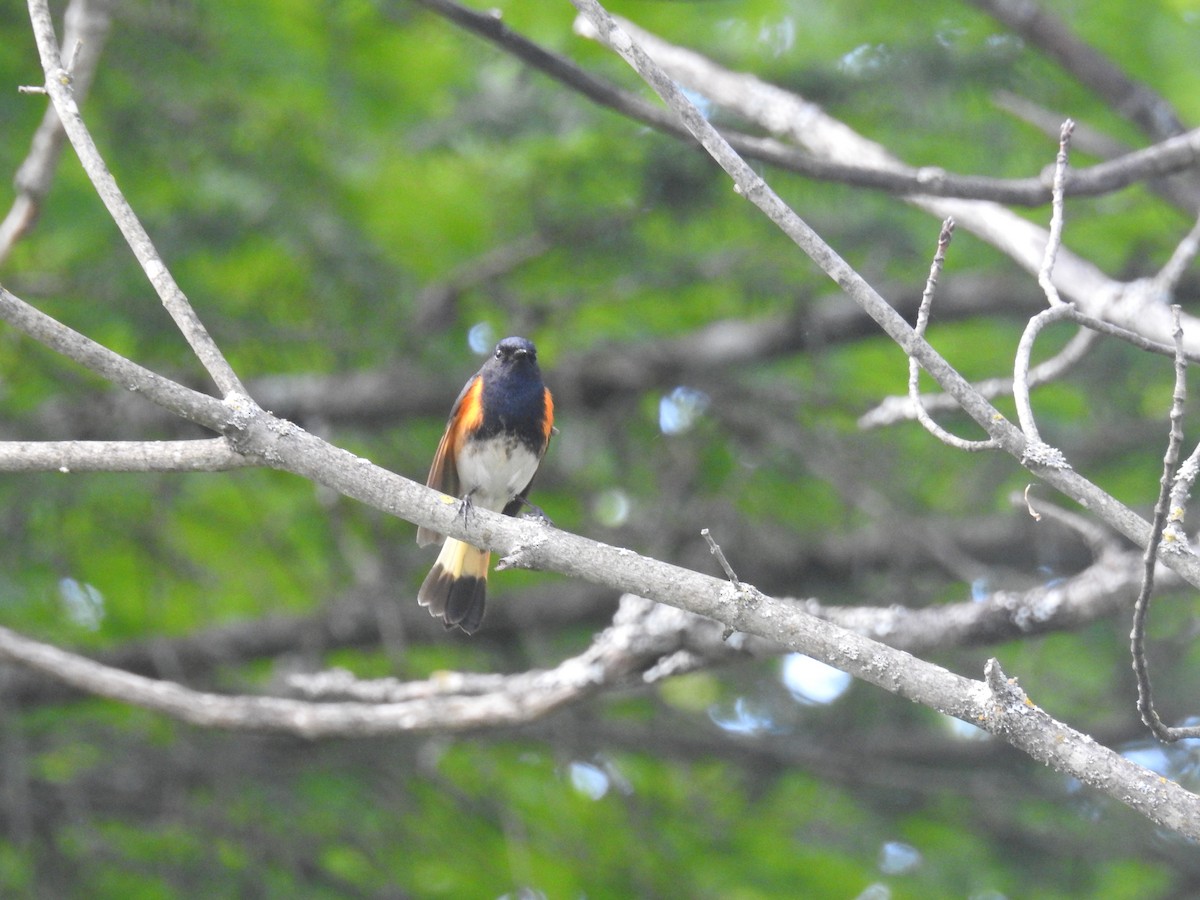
x: 182, y: 401
x: 751, y: 185
x: 59, y: 85
x: 265, y: 439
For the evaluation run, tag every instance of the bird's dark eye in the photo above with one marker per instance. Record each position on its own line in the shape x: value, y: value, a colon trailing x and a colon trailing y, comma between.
x: 499, y: 353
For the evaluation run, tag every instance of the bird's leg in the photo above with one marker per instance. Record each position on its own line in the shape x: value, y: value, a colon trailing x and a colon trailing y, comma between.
x: 535, y: 511
x: 466, y: 507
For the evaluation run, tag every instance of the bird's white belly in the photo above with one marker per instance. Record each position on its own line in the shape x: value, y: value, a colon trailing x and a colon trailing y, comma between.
x: 493, y: 471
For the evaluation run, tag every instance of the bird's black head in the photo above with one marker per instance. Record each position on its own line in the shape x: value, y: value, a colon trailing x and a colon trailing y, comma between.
x: 514, y: 350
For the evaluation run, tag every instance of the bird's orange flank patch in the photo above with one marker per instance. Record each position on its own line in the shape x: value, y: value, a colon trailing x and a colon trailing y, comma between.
x: 548, y: 423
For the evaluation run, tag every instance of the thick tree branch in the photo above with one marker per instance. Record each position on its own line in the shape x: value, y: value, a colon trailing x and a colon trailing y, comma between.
x: 906, y: 622
x: 213, y: 455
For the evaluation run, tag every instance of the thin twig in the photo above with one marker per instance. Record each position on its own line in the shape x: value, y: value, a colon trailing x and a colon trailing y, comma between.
x: 895, y: 409
x: 1054, y: 241
x: 86, y: 25
x: 1162, y: 511
x: 1098, y: 538
x: 1168, y: 277
x: 715, y: 549
x: 892, y: 410
x: 1058, y: 310
x: 945, y: 235
x: 1033, y: 513
x: 1021, y: 366
x: 914, y: 368
x: 58, y: 85
x: 76, y: 46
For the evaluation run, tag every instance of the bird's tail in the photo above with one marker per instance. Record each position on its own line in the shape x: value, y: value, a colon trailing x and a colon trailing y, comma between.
x: 456, y: 586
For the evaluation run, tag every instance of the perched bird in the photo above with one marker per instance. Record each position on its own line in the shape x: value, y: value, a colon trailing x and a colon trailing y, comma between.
x: 498, y: 432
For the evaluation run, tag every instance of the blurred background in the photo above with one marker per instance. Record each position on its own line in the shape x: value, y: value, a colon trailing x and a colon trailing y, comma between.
x: 359, y: 199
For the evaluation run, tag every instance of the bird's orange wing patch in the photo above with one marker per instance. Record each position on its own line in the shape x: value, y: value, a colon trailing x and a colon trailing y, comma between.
x: 464, y: 418
x: 468, y: 411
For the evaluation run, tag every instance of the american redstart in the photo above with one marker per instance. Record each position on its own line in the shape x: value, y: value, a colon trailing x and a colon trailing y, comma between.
x: 498, y: 432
